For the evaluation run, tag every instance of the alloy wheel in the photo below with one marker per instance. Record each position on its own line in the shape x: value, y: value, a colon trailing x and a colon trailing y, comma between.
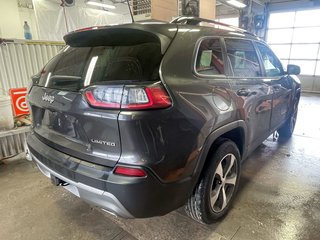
x: 223, y: 183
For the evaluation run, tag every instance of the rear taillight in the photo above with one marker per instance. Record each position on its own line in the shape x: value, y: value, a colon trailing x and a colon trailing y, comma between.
x: 138, y: 98
x: 104, y: 97
x: 130, y: 172
x: 128, y: 97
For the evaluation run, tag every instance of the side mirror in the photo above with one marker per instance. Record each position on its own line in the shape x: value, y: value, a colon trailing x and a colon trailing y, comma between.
x: 293, y: 69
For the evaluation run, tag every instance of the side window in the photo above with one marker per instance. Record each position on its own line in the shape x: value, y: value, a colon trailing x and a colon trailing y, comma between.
x: 243, y: 58
x: 271, y: 63
x: 209, y: 58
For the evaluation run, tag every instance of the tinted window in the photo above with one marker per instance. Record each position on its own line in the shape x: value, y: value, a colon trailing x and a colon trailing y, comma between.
x: 209, y: 58
x: 270, y: 62
x: 79, y: 67
x: 243, y: 58
x: 72, y: 62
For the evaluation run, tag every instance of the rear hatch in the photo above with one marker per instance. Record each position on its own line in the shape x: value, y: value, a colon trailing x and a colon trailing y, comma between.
x: 104, y: 61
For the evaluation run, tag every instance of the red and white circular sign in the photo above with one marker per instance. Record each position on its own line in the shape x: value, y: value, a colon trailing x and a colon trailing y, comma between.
x: 18, y: 99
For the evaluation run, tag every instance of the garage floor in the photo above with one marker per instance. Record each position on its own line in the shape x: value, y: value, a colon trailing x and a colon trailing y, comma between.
x: 279, y: 198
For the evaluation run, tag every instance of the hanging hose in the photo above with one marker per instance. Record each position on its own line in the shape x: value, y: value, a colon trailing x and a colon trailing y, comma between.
x: 130, y: 11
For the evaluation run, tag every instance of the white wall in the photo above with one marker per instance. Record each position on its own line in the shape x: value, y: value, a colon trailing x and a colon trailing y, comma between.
x: 310, y: 83
x: 10, y: 24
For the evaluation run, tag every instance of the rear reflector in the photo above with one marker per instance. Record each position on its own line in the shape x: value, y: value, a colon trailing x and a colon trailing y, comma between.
x: 130, y: 172
x: 86, y: 29
x: 128, y: 97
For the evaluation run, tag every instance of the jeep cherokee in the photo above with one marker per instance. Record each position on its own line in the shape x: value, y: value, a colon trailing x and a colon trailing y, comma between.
x: 141, y: 119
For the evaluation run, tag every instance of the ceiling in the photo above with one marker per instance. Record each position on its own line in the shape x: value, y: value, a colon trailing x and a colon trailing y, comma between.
x: 122, y: 7
x: 222, y: 9
x: 273, y: 5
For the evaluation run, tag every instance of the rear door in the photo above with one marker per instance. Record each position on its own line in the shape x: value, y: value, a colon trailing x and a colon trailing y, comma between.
x: 281, y: 85
x: 62, y: 117
x: 254, y: 94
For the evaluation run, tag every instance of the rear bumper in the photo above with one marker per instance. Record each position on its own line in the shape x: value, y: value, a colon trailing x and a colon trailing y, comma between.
x: 89, y: 194
x: 128, y: 197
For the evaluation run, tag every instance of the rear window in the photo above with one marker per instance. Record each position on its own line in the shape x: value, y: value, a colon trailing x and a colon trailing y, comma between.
x: 78, y: 67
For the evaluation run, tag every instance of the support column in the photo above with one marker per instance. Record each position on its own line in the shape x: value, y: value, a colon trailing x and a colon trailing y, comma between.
x: 207, y: 9
x: 164, y: 10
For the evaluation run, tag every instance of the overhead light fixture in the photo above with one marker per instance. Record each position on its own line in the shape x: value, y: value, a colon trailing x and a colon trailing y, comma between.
x: 236, y: 3
x: 100, y: 4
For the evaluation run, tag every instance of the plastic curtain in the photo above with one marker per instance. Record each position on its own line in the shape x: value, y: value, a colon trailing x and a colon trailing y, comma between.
x: 52, y: 20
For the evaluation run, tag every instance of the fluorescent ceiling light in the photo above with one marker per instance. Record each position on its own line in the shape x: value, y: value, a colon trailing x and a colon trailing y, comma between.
x: 101, y: 4
x: 236, y: 3
x: 110, y: 13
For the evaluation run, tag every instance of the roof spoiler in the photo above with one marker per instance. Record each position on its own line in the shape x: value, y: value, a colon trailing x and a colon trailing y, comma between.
x: 121, y: 35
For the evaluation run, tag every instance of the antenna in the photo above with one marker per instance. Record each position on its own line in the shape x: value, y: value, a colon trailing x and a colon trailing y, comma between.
x: 130, y: 11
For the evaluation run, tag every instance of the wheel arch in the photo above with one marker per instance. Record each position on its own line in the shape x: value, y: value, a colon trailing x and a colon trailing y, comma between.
x: 296, y: 98
x: 199, y: 205
x: 298, y: 92
x: 234, y: 131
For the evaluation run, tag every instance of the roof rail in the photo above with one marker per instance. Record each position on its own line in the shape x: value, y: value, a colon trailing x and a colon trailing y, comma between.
x: 196, y: 20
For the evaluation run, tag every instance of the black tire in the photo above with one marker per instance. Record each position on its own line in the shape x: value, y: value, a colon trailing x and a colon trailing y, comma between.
x: 286, y: 130
x: 212, y: 185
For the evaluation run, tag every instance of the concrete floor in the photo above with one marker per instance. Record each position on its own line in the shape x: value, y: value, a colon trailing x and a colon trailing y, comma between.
x: 279, y: 198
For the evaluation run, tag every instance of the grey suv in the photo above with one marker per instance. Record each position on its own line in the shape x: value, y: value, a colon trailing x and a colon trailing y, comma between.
x: 141, y: 119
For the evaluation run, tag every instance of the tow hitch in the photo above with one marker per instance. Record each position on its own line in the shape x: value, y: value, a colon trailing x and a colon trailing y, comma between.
x: 57, y: 182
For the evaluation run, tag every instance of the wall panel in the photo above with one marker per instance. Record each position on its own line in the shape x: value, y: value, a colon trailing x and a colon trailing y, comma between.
x: 19, y: 60
x: 12, y: 142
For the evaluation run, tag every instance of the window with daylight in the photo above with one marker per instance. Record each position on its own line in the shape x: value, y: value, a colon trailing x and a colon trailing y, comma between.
x: 229, y: 21
x: 295, y: 38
